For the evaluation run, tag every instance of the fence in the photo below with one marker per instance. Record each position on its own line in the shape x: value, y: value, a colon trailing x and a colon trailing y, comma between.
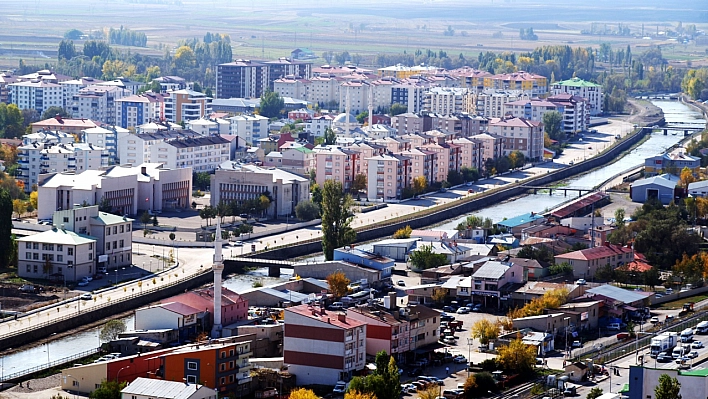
x: 55, y: 363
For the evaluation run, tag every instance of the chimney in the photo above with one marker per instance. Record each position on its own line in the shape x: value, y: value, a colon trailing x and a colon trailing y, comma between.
x: 607, y: 244
x: 58, y: 118
x: 342, y: 317
x: 143, y: 170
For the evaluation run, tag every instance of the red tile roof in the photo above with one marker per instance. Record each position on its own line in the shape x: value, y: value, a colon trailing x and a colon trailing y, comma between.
x: 636, y: 266
x: 596, y: 253
x: 180, y: 308
x: 325, y: 316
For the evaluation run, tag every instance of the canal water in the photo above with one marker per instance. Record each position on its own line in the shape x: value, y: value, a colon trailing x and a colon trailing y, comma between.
x: 656, y: 144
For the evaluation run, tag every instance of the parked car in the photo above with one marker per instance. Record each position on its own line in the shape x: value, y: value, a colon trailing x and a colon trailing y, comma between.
x: 336, y: 306
x: 693, y: 354
x: 449, y: 340
x: 577, y: 344
x: 581, y: 281
x: 448, y: 308
x: 613, y: 327
x: 697, y: 345
x: 669, y: 291
x: 238, y: 243
x: 663, y: 357
x: 401, y: 283
x: 654, y: 320
x: 477, y: 308
x: 463, y: 310
x: 340, y: 387
x: 459, y: 359
x: 86, y: 297
x: 82, y: 283
x: 670, y: 318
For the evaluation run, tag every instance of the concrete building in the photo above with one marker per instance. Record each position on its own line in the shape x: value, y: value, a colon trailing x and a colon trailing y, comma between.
x: 234, y: 307
x: 523, y: 135
x: 335, y: 163
x: 449, y: 100
x: 169, y: 83
x: 135, y: 110
x: 186, y: 105
x: 585, y: 262
x: 251, y: 128
x: 388, y: 175
x: 581, y: 88
x: 250, y: 78
x: 36, y: 94
x: 410, y: 93
x: 106, y: 138
x: 241, y: 182
x: 292, y: 86
x: 59, y: 124
x: 113, y: 234
x: 128, y: 189
x: 471, y: 78
x: 516, y: 224
x: 98, y: 103
x: 490, y: 103
x: 148, y: 388
x: 321, y: 270
x: 292, y: 157
x: 660, y: 187
x: 338, y: 353
x: 698, y: 189
x: 672, y: 163
x: 644, y: 380
x: 124, y: 83
x: 70, y: 88
x: 184, y: 319
x: 491, y: 145
x: 56, y: 253
x: 528, y: 83
x: 365, y: 258
x: 317, y: 125
x: 486, y: 283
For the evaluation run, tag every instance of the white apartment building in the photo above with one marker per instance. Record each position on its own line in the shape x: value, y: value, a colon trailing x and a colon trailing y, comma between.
x: 449, y: 100
x: 292, y: 86
x: 36, y: 94
x: 136, y: 110
x: 129, y: 190
x: 174, y: 149
x: 106, y: 138
x: 59, y: 253
x: 573, y: 109
x: 186, y: 105
x: 97, y: 103
x: 70, y: 88
x: 388, y: 175
x: 241, y: 182
x: 358, y: 92
x: 249, y: 127
x: 210, y: 127
x: 318, y: 125
x: 590, y: 91
x: 324, y: 90
x: 113, y: 234
x: 323, y: 347
x: 490, y: 103
x: 37, y: 158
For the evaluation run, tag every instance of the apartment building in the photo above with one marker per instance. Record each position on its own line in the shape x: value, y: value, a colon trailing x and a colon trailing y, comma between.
x: 422, y: 163
x: 575, y: 111
x: 292, y: 86
x: 251, y: 128
x: 410, y: 123
x: 322, y: 347
x: 201, y: 154
x: 358, y: 91
x: 449, y: 100
x: 186, y: 105
x: 70, y: 88
x: 486, y: 283
x: 388, y: 176
x: 324, y: 90
x: 124, y: 83
x: 241, y: 182
x: 519, y: 134
x: 335, y: 163
x: 135, y: 110
x: 590, y: 91
x: 6, y: 79
x: 57, y: 253
x: 247, y: 78
x: 411, y: 93
x: 36, y: 94
x: 471, y: 78
x: 490, y: 102
x: 210, y: 127
x: 112, y: 233
x: 129, y: 190
x: 492, y: 145
x: 59, y: 124
x: 528, y: 83
x: 97, y: 103
x: 293, y: 157
x: 234, y: 307
x: 171, y: 83
x: 586, y: 262
x: 470, y: 155
x: 317, y: 125
x: 673, y: 163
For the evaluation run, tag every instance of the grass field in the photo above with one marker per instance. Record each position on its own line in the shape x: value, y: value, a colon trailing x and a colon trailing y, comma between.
x: 271, y: 29
x: 678, y: 304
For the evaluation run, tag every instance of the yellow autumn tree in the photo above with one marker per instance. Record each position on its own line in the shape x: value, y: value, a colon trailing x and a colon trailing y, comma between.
x: 302, y: 393
x: 686, y: 177
x: 517, y: 356
x: 359, y: 395
x: 34, y: 199
x: 485, y: 330
x: 338, y: 284
x: 552, y: 299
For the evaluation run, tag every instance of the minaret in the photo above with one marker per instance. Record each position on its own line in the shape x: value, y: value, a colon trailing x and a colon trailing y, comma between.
x: 218, y: 267
x: 371, y: 105
x: 347, y: 111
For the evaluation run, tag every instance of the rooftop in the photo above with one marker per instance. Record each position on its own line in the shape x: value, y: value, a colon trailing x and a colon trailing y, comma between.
x: 576, y: 82
x: 492, y: 270
x: 59, y: 237
x: 619, y: 294
x: 323, y: 316
x: 149, y: 387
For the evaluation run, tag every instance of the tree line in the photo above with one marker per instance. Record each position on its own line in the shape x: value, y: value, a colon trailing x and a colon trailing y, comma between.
x: 127, y: 37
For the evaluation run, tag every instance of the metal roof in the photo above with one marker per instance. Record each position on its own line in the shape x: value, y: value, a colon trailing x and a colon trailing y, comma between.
x: 492, y: 270
x: 618, y: 294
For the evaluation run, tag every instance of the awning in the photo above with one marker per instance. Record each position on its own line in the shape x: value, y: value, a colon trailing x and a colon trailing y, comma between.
x: 631, y: 309
x: 614, y: 311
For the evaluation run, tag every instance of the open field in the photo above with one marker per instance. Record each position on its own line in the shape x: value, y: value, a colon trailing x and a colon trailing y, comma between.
x: 271, y: 29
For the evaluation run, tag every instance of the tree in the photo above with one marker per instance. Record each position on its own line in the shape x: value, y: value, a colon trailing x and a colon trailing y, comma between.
x: 552, y: 125
x: 485, y: 330
x: 560, y: 268
x: 145, y: 219
x: 5, y: 226
x: 184, y: 58
x: 361, y: 117
x: 338, y: 284
x: 469, y: 174
x: 424, y: 258
x: 439, y: 295
x: 330, y: 137
x: 619, y: 218
x: 383, y: 383
x: 111, y: 330
x: 73, y: 34
x: 359, y: 184
x: 336, y: 218
x: 686, y: 177
x: 420, y: 184
x: 594, y: 393
x: 154, y: 220
x: 307, y: 210
x: 116, y: 68
x: 11, y: 121
x: 517, y: 159
x: 66, y: 50
x: 19, y: 207
x: 109, y: 389
x: 172, y: 237
x: 517, y: 356
x: 201, y: 180
x: 668, y: 388
x: 351, y: 394
x: 430, y: 392
x: 397, y: 109
x: 271, y: 104
x: 454, y: 177
x: 403, y: 232
x: 104, y: 205
x: 53, y: 111
x: 552, y: 299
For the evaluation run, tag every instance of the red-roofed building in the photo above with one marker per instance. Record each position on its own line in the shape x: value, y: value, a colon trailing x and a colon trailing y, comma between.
x: 323, y: 347
x: 234, y: 307
x: 185, y: 319
x: 586, y: 262
x: 66, y: 125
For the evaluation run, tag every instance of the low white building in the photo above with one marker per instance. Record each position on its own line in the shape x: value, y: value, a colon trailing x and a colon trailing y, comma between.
x: 241, y: 182
x: 209, y: 127
x: 150, y: 388
x: 128, y: 190
x: 175, y: 149
x: 58, y: 253
x: 318, y: 125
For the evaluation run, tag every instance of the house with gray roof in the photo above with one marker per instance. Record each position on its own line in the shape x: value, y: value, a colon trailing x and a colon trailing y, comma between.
x: 661, y: 187
x: 491, y: 283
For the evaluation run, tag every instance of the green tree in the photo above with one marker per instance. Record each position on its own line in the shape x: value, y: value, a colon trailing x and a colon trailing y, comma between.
x: 594, y: 393
x: 201, y: 180
x: 362, y: 117
x: 109, y: 389
x: 424, y: 258
x: 316, y: 194
x: 397, y: 109
x: 145, y: 219
x: 517, y: 159
x: 11, y: 121
x: 271, y: 104
x: 552, y: 122
x: 454, y: 177
x: 619, y: 218
x: 104, y: 205
x: 307, y: 210
x: 469, y: 174
x: 111, y: 330
x: 5, y: 227
x: 330, y: 137
x: 336, y: 218
x: 384, y: 382
x: 73, y: 34
x: 66, y: 50
x: 668, y: 388
x: 53, y: 111
x: 359, y: 184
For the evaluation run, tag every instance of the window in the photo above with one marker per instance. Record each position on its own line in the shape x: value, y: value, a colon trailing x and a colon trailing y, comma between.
x: 108, y: 246
x: 90, y: 255
x: 127, y: 227
x: 223, y: 354
x: 121, y: 243
x: 35, y: 256
x: 60, y: 248
x: 115, y: 229
x: 192, y: 379
x: 91, y: 246
x: 28, y: 245
x: 191, y: 365
x: 60, y: 258
x: 222, y: 367
x: 70, y: 251
x: 108, y: 231
x: 28, y: 255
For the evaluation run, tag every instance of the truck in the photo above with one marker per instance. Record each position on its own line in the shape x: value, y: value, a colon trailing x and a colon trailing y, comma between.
x: 664, y: 342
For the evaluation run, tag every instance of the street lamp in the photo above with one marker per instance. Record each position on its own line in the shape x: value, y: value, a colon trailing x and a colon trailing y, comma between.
x: 118, y: 373
x: 469, y: 345
x: 567, y: 326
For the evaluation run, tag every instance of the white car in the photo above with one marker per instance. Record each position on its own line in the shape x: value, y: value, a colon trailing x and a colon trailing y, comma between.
x: 87, y: 278
x: 86, y: 297
x: 82, y: 283
x: 340, y: 387
x: 697, y: 345
x: 581, y: 281
x: 654, y: 320
x: 463, y: 310
x: 401, y: 283
x: 693, y: 354
x: 459, y: 359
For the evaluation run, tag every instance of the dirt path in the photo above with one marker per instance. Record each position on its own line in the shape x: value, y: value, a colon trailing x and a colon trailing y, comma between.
x: 643, y: 112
